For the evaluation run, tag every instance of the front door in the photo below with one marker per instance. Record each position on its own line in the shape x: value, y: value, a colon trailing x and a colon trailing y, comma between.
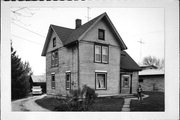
x: 125, y: 83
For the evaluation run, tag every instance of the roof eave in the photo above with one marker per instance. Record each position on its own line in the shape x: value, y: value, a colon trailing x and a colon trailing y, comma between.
x: 46, y: 42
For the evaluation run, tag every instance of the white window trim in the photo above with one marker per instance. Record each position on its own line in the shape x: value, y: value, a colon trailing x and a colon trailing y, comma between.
x: 104, y: 72
x: 101, y: 71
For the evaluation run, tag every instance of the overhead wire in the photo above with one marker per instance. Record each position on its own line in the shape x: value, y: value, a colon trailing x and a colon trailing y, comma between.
x: 26, y: 39
x: 28, y: 30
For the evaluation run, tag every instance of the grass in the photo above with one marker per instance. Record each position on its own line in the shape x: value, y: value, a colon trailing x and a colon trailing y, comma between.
x: 155, y: 102
x: 101, y: 104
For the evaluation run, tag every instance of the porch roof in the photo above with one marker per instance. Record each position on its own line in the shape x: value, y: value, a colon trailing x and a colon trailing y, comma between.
x: 127, y: 63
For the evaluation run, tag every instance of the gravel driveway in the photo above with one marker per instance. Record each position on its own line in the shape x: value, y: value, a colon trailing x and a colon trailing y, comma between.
x: 28, y: 104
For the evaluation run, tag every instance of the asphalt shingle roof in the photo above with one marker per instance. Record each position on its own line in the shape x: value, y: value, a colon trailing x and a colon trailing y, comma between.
x: 127, y: 63
x: 68, y: 35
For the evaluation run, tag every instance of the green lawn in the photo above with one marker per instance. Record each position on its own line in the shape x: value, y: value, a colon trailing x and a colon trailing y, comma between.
x: 101, y: 104
x: 155, y: 102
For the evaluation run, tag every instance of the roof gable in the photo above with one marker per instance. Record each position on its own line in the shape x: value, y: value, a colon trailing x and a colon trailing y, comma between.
x: 68, y: 35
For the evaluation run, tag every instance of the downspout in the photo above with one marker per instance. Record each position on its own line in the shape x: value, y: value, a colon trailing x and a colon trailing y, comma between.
x: 131, y: 76
x: 78, y: 67
x: 120, y: 72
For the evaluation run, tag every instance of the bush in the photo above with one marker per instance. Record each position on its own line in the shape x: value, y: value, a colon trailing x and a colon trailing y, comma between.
x: 78, y: 100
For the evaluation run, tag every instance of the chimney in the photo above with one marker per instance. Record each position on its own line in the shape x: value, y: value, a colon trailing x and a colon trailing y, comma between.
x: 78, y: 23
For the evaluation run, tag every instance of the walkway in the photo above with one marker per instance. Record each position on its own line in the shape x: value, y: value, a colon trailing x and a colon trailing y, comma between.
x: 27, y: 104
x: 126, y: 106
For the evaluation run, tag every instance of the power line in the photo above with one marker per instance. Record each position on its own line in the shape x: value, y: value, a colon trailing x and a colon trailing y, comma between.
x: 29, y: 30
x: 26, y: 39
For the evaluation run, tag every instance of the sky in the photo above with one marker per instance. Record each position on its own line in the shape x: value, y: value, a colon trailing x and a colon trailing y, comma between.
x: 29, y: 27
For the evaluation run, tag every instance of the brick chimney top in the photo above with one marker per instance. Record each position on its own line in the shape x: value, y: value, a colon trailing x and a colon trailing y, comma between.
x: 78, y: 23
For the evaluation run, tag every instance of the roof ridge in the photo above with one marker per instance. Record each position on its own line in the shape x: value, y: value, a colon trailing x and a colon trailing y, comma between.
x: 61, y: 26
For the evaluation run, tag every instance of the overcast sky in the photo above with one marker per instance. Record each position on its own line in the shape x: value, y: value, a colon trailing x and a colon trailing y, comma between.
x: 29, y: 28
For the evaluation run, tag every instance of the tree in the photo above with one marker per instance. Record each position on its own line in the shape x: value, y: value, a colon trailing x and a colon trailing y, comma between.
x: 153, y: 61
x: 20, y: 73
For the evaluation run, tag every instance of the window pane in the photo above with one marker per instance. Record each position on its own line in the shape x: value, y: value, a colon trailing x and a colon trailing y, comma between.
x: 68, y: 80
x: 53, y: 81
x: 101, y: 81
x: 105, y: 54
x: 98, y: 53
x: 54, y: 42
x: 97, y: 49
x: 54, y: 58
x: 101, y: 34
x: 126, y: 81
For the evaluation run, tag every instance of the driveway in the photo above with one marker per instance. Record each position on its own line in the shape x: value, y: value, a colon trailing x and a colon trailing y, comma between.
x: 28, y: 104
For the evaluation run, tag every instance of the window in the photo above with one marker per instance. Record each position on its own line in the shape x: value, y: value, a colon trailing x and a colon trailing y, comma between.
x: 101, y: 81
x: 54, y: 42
x: 140, y: 80
x: 101, y: 53
x: 68, y: 80
x: 53, y: 80
x: 104, y: 54
x: 101, y: 34
x: 54, y: 58
x: 97, y: 53
x: 126, y: 80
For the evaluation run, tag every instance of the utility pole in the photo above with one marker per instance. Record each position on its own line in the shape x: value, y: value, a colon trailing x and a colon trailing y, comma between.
x: 141, y: 43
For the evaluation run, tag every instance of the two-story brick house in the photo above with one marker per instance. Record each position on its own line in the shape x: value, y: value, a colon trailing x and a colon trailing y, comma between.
x: 89, y: 54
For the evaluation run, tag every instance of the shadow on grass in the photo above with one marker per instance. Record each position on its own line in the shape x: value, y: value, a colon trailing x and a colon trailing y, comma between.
x: 155, y: 102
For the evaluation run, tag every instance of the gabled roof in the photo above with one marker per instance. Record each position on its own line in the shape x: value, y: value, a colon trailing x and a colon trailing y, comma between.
x: 68, y: 35
x: 127, y: 63
x: 38, y: 78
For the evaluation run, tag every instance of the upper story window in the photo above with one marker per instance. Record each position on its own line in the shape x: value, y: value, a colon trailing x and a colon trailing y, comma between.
x: 101, y: 53
x: 54, y: 58
x: 101, y: 34
x: 54, y: 42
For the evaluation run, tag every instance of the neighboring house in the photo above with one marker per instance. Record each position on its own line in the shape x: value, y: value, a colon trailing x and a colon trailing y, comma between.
x: 38, y: 80
x: 88, y: 55
x: 152, y: 79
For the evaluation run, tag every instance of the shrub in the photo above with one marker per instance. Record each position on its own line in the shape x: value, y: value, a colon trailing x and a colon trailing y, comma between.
x: 79, y: 100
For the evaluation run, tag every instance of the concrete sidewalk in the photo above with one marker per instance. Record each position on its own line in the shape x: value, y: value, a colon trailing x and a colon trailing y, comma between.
x: 126, y: 106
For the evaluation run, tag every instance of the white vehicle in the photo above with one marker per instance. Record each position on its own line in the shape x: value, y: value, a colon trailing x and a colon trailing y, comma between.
x: 36, y: 90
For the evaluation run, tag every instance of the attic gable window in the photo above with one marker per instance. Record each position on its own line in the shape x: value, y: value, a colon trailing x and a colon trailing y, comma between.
x: 54, y: 42
x: 101, y: 34
x: 54, y: 58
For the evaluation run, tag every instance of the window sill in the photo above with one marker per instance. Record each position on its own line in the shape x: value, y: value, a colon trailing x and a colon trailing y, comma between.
x: 101, y: 89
